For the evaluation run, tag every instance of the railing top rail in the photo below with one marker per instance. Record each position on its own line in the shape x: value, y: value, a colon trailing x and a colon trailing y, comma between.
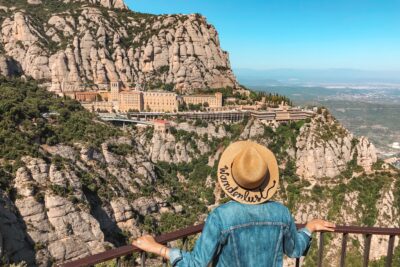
x: 363, y: 230
x: 126, y: 250
x: 367, y: 230
x: 192, y: 230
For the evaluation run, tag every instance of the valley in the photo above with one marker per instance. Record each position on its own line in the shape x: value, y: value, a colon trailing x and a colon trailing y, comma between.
x: 370, y: 112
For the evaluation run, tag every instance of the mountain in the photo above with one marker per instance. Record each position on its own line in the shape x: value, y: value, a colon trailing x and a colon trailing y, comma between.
x: 71, y: 185
x: 74, y: 44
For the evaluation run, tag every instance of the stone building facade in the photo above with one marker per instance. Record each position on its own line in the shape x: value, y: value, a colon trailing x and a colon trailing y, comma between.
x: 86, y: 96
x: 213, y: 101
x: 160, y: 101
x: 118, y: 99
x: 100, y: 106
x: 161, y: 126
x: 130, y: 101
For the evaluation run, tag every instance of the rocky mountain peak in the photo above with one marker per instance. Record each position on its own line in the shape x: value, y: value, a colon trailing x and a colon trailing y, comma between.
x: 71, y: 44
x: 106, y: 3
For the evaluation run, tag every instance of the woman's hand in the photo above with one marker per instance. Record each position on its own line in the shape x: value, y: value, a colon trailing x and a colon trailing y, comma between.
x: 149, y: 244
x: 320, y: 225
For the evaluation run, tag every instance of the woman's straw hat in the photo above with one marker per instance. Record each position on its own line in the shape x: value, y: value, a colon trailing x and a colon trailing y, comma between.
x: 248, y: 172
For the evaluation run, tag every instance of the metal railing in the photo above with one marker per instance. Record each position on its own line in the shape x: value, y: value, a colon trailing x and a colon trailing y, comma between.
x: 183, y: 234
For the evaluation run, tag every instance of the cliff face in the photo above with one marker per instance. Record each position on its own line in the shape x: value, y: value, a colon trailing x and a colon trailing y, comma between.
x: 82, y: 43
x: 326, y: 172
x: 9, y: 67
x: 183, y: 144
x: 77, y: 198
x: 69, y: 184
x: 325, y: 148
x: 64, y: 214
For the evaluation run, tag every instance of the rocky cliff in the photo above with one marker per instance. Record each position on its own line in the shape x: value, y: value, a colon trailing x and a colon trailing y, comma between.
x: 71, y: 185
x: 74, y: 44
x: 65, y: 194
x: 325, y: 148
x: 64, y: 212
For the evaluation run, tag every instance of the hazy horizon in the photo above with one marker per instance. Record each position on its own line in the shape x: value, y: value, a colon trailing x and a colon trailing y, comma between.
x: 310, y: 77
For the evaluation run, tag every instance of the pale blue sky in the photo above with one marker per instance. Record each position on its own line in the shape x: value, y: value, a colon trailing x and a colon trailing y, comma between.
x: 301, y: 34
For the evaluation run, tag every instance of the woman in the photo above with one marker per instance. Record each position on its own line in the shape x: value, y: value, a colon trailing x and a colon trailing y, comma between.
x: 251, y: 230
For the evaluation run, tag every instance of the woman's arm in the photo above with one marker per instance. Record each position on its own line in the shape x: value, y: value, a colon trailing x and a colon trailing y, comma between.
x: 202, y: 253
x: 297, y: 242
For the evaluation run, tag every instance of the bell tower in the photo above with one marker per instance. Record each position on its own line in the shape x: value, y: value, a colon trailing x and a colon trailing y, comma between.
x: 114, y: 95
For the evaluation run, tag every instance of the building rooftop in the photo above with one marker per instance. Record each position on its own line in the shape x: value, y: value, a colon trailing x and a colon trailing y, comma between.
x: 161, y: 121
x: 198, y: 95
x: 129, y: 92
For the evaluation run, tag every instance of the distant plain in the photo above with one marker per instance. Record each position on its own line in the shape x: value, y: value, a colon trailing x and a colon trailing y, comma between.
x: 365, y: 110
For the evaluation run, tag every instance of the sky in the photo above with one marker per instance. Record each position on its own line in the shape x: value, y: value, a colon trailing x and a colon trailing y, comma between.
x: 298, y: 34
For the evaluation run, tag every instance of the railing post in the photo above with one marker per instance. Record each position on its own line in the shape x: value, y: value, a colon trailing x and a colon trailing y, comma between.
x: 367, y: 246
x: 143, y: 259
x: 389, y: 257
x: 164, y: 261
x: 185, y: 243
x: 344, y: 247
x: 321, y: 249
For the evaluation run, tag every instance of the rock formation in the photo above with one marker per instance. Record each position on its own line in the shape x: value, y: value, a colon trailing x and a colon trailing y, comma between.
x: 79, y: 45
x: 324, y: 148
x: 9, y: 67
x: 61, y: 218
x: 119, y: 4
x: 366, y: 154
x: 169, y: 147
x: 34, y: 2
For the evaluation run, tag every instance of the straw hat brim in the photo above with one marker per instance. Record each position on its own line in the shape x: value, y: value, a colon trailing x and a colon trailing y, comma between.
x: 233, y: 189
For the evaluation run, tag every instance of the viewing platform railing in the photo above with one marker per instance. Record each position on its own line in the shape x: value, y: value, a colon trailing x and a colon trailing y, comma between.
x: 183, y: 234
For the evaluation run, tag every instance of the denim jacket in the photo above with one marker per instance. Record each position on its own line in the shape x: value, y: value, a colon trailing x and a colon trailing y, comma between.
x: 238, y: 235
